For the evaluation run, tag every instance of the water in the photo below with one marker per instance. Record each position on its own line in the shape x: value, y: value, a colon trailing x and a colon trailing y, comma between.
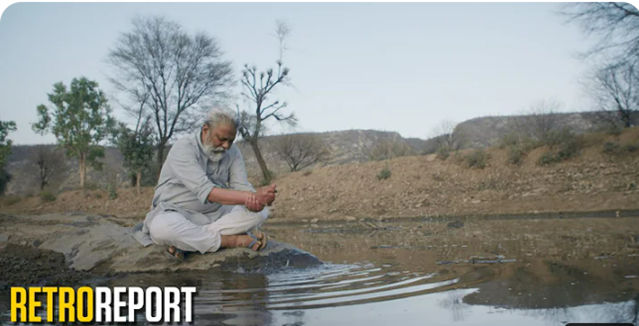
x: 336, y: 294
x: 485, y: 272
x: 524, y: 272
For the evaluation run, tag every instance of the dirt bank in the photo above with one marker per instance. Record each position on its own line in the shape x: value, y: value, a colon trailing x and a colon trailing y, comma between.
x: 418, y: 186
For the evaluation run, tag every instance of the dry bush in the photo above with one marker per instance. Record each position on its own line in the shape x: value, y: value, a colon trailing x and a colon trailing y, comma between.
x: 301, y: 150
x: 387, y: 149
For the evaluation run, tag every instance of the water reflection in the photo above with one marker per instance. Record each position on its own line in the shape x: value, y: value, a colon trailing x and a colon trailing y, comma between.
x: 523, y: 272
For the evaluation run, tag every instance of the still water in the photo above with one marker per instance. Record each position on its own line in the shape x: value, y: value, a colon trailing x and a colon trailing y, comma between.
x: 492, y: 272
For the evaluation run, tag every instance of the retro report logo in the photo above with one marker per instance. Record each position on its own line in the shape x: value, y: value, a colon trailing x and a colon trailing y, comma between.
x: 101, y: 304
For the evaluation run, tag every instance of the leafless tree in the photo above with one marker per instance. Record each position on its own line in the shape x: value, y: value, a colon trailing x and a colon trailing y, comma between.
x: 385, y: 149
x: 50, y: 163
x: 258, y: 86
x: 301, y: 150
x: 540, y: 121
x: 446, y: 137
x: 616, y: 90
x: 178, y: 75
x: 615, y: 23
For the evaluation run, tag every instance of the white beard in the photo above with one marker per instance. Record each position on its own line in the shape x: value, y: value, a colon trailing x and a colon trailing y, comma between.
x: 215, y: 154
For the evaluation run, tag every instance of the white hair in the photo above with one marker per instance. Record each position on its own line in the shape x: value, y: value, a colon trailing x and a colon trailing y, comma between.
x: 218, y: 117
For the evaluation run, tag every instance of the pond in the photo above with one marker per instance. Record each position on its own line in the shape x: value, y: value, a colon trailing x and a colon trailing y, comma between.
x: 416, y: 272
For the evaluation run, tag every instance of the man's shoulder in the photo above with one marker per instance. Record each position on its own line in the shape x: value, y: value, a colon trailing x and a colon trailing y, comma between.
x: 234, y: 151
x: 186, y: 139
x: 186, y: 142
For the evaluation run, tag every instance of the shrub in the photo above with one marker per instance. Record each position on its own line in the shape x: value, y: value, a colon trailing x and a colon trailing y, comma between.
x: 443, y: 153
x: 631, y: 148
x: 508, y: 140
x: 612, y: 148
x: 477, y: 159
x: 113, y: 191
x: 384, y: 174
x: 10, y: 200
x: 567, y: 149
x: 558, y: 138
x: 516, y: 155
x: 386, y: 149
x: 47, y: 196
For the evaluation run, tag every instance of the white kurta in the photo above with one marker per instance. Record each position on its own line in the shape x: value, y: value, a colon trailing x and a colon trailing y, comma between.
x: 181, y: 214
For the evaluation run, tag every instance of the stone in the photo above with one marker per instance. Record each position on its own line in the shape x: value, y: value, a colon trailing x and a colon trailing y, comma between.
x: 102, y: 246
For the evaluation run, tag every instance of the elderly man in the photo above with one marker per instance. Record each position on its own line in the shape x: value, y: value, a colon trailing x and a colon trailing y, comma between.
x: 203, y: 200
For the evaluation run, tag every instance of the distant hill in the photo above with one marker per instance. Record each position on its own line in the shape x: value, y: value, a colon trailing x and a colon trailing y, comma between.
x: 488, y: 131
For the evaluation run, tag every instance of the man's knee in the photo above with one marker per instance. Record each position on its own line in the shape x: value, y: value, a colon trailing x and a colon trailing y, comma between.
x: 257, y: 217
x: 162, y: 227
x: 264, y: 214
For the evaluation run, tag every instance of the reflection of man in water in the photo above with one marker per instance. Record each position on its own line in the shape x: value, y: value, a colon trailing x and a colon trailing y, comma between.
x: 203, y: 200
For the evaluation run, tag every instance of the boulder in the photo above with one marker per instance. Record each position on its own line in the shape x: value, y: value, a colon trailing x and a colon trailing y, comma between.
x: 100, y: 245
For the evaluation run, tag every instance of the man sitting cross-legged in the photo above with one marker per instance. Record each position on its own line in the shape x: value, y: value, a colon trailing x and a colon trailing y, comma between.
x: 203, y: 200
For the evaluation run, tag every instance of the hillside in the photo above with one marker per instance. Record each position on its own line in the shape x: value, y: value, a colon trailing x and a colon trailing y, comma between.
x: 488, y: 131
x: 344, y: 147
x: 423, y: 185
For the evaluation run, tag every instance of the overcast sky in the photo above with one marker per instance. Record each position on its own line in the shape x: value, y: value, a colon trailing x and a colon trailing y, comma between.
x: 396, y: 67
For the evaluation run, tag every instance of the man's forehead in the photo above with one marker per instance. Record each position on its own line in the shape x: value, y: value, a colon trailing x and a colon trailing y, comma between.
x: 225, y: 131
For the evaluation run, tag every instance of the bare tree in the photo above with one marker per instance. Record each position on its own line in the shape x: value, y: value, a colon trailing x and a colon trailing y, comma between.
x: 50, y: 163
x: 385, y: 149
x: 301, y: 150
x: 174, y: 72
x: 616, y: 90
x: 258, y: 86
x: 446, y: 137
x: 541, y: 120
x: 615, y: 23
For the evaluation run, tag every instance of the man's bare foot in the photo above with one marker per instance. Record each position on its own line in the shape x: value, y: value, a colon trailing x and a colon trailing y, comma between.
x: 241, y: 240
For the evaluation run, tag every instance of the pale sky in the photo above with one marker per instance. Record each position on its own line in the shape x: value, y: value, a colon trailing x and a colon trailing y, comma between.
x: 396, y: 67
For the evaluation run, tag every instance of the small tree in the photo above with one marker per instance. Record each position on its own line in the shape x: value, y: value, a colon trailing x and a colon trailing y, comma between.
x: 5, y: 150
x: 616, y: 90
x: 80, y: 121
x: 49, y: 161
x: 257, y: 88
x: 541, y: 121
x: 136, y: 147
x: 301, y: 150
x: 446, y: 138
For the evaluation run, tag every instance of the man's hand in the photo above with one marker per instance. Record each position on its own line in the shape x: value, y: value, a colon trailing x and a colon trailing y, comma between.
x: 266, y: 195
x: 253, y: 204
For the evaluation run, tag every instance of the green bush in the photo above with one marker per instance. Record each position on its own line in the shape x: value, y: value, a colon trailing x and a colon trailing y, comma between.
x: 443, y: 153
x: 611, y: 148
x: 631, y: 148
x: 563, y: 144
x: 47, y: 196
x: 516, y: 154
x: 477, y: 159
x: 558, y: 138
x: 569, y: 148
x: 113, y: 191
x: 384, y: 174
x: 508, y: 140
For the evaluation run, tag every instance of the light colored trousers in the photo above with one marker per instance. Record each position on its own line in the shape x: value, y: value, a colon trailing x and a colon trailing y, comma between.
x: 171, y: 228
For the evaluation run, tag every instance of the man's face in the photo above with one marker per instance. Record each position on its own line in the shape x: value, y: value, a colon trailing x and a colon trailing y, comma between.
x: 218, y: 139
